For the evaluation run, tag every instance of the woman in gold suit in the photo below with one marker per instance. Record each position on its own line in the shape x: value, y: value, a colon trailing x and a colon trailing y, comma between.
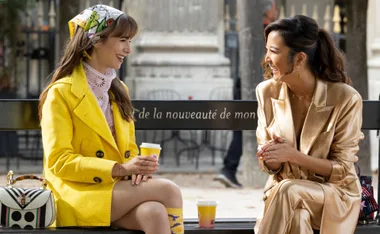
x: 309, y: 127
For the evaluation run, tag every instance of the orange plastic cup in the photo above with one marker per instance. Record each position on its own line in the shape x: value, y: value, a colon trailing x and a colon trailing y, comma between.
x: 206, y: 213
x: 150, y: 149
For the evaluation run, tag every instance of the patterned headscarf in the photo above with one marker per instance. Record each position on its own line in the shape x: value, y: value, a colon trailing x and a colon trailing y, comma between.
x: 94, y: 19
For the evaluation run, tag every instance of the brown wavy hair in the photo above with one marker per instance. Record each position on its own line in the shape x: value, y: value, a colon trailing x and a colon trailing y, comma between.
x: 124, y: 26
x: 302, y: 34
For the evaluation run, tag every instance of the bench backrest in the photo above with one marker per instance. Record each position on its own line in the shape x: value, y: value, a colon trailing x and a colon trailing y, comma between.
x: 169, y: 115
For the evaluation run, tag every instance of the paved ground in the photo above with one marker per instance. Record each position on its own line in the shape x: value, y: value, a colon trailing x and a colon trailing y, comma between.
x: 232, y: 203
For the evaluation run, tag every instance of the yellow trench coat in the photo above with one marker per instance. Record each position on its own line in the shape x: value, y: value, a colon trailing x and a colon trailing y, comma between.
x: 80, y: 151
x: 332, y: 130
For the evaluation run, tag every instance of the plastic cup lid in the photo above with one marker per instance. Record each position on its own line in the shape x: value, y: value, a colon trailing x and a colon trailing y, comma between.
x: 150, y: 145
x: 206, y: 203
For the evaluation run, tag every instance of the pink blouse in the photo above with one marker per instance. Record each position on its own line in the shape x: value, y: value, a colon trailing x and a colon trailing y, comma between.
x: 100, y: 84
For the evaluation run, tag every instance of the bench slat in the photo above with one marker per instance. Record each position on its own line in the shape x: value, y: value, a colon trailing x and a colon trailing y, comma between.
x: 220, y: 115
x: 220, y: 228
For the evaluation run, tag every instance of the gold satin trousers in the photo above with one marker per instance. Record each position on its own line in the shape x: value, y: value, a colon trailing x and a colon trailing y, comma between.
x: 293, y: 207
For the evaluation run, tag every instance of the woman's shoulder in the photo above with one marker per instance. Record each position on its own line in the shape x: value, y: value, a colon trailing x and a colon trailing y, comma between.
x: 269, y: 88
x: 62, y: 84
x: 67, y: 80
x: 342, y: 91
x: 268, y: 84
x: 76, y: 77
x: 61, y: 87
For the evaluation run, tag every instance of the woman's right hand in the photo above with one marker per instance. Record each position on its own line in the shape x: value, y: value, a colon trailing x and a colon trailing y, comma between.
x: 261, y: 149
x: 144, y: 165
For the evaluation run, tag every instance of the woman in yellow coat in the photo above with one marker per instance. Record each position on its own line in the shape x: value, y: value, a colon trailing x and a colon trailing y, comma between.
x: 88, y: 135
x: 309, y: 127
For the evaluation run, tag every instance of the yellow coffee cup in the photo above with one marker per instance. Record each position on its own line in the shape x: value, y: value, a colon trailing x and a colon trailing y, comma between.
x: 150, y: 149
x: 206, y: 213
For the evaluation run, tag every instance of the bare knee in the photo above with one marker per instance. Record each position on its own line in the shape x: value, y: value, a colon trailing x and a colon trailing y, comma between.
x: 153, y: 212
x: 150, y: 217
x: 171, y: 193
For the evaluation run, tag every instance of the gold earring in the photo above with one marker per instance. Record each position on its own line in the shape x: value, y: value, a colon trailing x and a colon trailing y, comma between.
x: 298, y: 75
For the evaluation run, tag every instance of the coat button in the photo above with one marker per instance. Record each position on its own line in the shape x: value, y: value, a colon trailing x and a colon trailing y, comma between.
x: 127, y: 154
x: 99, y: 154
x: 97, y: 180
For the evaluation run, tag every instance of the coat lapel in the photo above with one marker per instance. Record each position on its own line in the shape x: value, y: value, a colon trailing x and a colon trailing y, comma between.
x: 282, y: 112
x: 316, y: 117
x: 283, y: 115
x: 88, y: 109
x: 121, y: 128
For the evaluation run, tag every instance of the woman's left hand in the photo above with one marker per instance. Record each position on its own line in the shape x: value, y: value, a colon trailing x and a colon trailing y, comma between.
x: 137, y: 178
x: 279, y: 153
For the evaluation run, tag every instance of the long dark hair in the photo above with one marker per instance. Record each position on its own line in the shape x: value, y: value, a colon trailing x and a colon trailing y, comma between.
x: 302, y: 34
x: 124, y: 26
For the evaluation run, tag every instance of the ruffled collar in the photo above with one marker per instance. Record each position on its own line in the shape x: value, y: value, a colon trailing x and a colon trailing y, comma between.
x: 97, y: 80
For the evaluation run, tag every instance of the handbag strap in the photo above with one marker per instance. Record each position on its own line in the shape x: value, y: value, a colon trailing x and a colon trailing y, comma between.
x: 11, y: 181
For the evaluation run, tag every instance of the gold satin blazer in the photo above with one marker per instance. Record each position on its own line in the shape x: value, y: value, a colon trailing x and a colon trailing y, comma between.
x: 332, y: 130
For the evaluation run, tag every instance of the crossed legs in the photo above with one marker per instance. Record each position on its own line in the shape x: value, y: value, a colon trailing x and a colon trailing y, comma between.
x: 294, y: 207
x: 145, y: 207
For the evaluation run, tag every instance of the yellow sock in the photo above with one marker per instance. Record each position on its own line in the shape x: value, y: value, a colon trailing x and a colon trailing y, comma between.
x: 176, y: 220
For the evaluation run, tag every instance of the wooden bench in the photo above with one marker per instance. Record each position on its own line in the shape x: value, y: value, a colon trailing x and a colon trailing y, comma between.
x: 222, y: 226
x: 179, y: 115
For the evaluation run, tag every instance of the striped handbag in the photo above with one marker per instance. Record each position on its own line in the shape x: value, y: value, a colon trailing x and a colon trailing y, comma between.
x: 368, y: 204
x: 26, y: 207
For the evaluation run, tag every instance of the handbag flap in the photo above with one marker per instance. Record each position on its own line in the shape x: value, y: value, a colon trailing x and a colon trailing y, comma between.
x: 24, y: 198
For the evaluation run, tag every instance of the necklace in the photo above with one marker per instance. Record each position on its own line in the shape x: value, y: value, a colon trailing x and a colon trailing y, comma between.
x: 300, y: 106
x: 299, y: 97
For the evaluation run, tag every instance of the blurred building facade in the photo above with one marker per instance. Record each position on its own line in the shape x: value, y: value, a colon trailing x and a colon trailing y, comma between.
x: 373, y: 52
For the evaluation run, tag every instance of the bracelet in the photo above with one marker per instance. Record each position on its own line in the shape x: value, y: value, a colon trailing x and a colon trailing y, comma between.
x: 271, y: 172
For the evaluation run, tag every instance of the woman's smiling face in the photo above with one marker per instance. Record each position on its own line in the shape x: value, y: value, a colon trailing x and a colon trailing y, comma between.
x: 277, y: 56
x: 113, y: 51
